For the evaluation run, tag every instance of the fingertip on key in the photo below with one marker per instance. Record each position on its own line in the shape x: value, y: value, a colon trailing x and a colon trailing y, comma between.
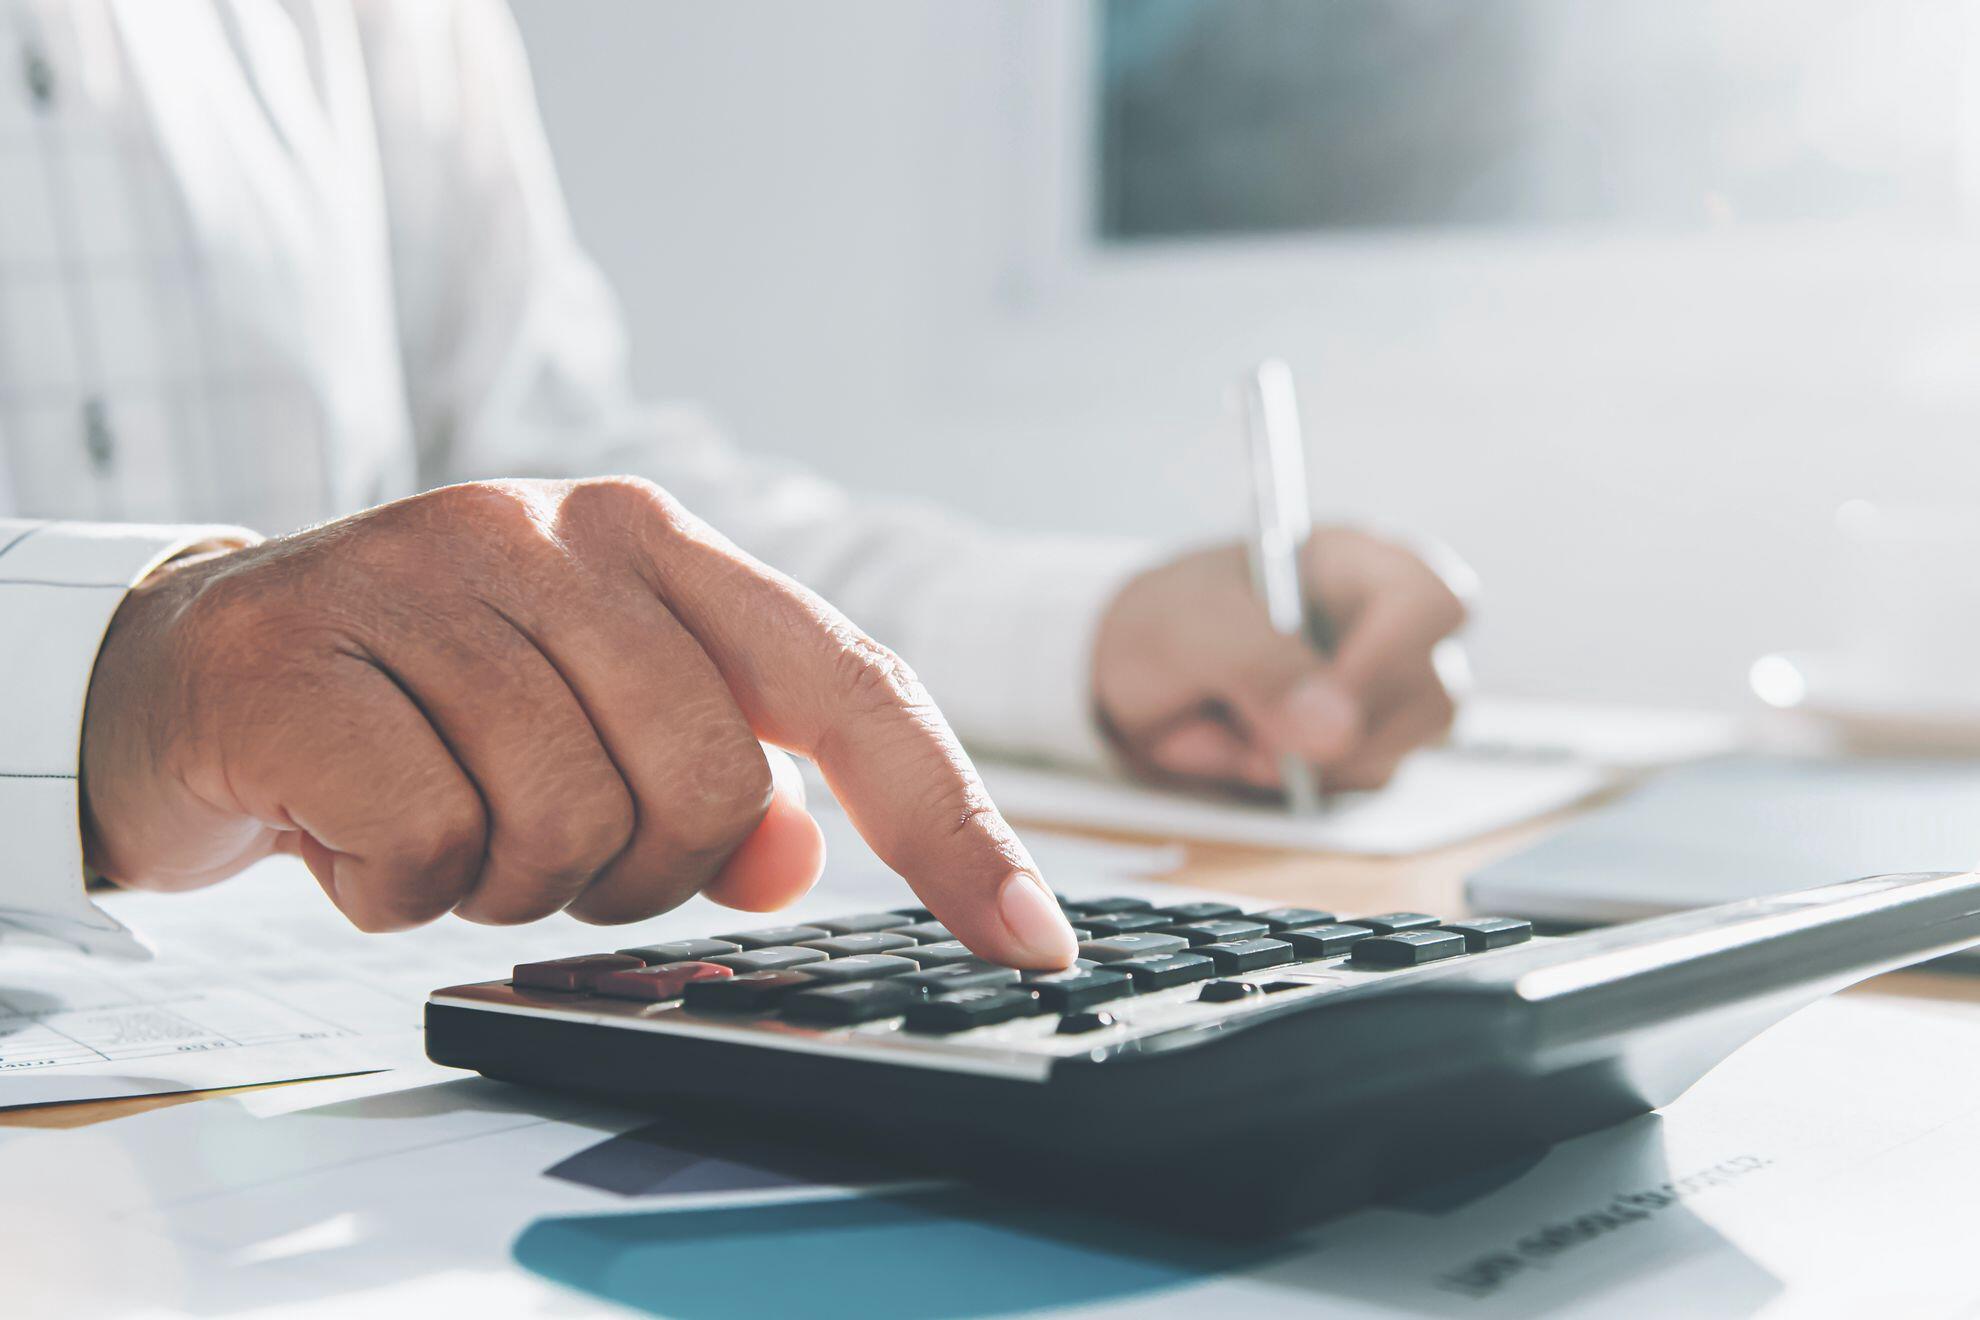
x: 1039, y: 934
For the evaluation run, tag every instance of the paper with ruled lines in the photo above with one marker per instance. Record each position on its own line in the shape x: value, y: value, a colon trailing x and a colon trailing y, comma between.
x: 259, y: 979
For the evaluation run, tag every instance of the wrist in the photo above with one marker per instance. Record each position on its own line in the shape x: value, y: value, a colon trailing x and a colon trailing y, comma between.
x: 128, y: 697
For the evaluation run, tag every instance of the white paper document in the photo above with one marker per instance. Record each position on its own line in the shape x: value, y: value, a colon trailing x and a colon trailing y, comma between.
x: 1509, y: 760
x: 260, y: 979
x: 1825, y: 1169
x: 1620, y: 737
x: 1436, y: 799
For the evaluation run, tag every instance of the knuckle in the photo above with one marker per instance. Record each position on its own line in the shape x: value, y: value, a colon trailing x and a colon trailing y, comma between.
x: 506, y: 524
x: 715, y: 798
x: 437, y: 867
x: 624, y: 503
x: 877, y: 678
x: 377, y: 921
x: 972, y: 817
x: 657, y: 884
x: 733, y: 775
x: 621, y: 910
x: 570, y: 838
x: 479, y: 504
x: 723, y: 795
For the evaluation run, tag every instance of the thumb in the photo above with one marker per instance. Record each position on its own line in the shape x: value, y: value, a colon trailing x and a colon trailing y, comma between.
x: 783, y: 857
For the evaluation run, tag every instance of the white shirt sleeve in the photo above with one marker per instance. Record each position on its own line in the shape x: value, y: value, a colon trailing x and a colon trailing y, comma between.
x: 516, y: 366
x: 59, y: 585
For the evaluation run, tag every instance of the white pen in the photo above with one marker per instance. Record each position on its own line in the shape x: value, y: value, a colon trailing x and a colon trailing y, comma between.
x: 1282, y: 523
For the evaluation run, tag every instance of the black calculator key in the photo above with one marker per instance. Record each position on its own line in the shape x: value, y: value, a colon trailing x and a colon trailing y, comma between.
x: 774, y: 936
x: 972, y: 1008
x: 1219, y: 930
x: 1072, y: 991
x: 867, y: 967
x: 927, y: 932
x: 959, y: 976
x: 751, y: 993
x: 939, y: 954
x: 1038, y: 974
x: 1183, y: 912
x: 1119, y: 948
x: 1388, y: 923
x: 1074, y: 1024
x: 1293, y: 918
x: 861, y: 922
x: 1125, y: 923
x: 774, y: 959
x: 1246, y: 955
x: 1324, y: 941
x: 680, y: 951
x: 844, y: 1005
x: 1482, y: 933
x: 869, y: 941
x: 1165, y: 972
x: 1223, y: 992
x: 1408, y: 948
x: 915, y: 914
x: 1098, y: 907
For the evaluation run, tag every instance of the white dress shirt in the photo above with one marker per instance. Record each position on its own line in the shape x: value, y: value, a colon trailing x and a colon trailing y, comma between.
x: 267, y: 262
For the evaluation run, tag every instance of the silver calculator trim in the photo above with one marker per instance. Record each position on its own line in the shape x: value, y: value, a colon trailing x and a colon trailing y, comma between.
x: 1021, y: 1050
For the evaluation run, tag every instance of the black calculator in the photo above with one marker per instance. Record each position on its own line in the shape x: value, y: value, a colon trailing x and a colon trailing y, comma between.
x: 1204, y: 1065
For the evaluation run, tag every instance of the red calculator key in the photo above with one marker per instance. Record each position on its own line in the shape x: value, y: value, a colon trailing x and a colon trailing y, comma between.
x: 663, y: 982
x: 572, y: 973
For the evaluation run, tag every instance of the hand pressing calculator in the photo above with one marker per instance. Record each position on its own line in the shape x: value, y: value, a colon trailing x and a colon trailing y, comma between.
x: 1205, y: 1066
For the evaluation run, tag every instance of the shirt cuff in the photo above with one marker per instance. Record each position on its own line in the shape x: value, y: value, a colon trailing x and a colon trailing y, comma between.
x: 1004, y: 644
x: 60, y: 583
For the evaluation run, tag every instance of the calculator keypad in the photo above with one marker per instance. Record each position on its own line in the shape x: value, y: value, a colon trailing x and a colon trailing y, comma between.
x: 901, y: 980
x: 775, y: 958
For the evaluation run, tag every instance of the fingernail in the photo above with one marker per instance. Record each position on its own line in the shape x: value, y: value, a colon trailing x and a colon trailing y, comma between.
x: 784, y: 773
x: 1037, y: 928
x: 1321, y: 717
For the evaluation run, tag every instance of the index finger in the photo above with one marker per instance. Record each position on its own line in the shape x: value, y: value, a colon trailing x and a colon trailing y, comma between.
x: 808, y: 680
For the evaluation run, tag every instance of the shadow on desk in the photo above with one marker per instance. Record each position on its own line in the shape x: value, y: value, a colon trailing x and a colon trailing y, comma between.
x: 1556, y: 1232
x: 438, y: 1194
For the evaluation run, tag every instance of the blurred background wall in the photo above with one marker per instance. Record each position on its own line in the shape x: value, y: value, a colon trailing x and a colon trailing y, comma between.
x: 1710, y: 279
